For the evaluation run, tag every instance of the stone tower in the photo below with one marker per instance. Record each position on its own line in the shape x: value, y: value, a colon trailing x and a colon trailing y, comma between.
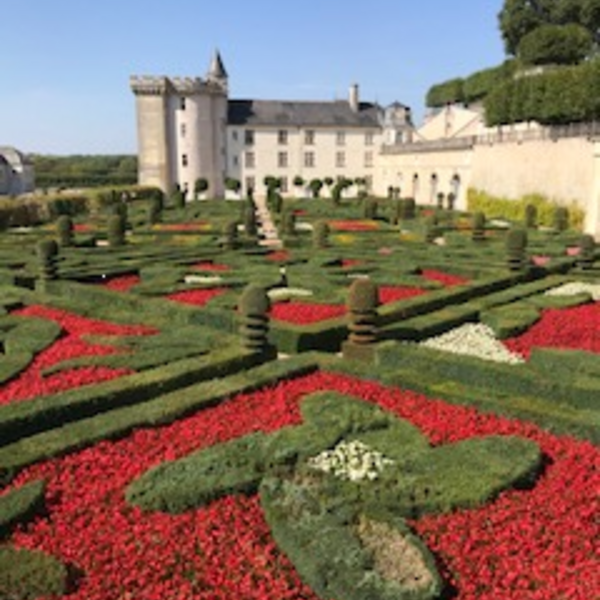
x: 181, y: 127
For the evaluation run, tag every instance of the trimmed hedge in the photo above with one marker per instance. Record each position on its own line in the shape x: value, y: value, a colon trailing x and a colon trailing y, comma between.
x: 29, y: 574
x: 21, y: 504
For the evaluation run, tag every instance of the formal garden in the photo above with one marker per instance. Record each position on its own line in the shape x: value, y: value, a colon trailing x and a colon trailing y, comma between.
x: 388, y: 401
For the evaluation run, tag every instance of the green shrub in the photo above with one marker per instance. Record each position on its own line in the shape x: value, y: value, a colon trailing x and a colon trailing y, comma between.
x: 478, y: 227
x: 561, y: 218
x: 254, y: 306
x: 587, y: 252
x: 21, y: 505
x: 116, y: 231
x: 47, y: 253
x: 555, y: 44
x: 28, y: 574
x: 516, y: 244
x: 64, y: 231
x: 320, y: 234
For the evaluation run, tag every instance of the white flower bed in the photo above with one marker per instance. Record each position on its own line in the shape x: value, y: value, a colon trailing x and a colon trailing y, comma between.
x: 574, y: 288
x: 351, y: 460
x: 473, y: 339
x: 284, y: 293
x: 202, y: 279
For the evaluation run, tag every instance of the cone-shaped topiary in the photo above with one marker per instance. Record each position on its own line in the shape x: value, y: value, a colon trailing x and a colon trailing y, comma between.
x: 254, y: 309
x: 531, y: 216
x: 230, y: 235
x: 440, y: 200
x: 321, y: 234
x: 363, y: 300
x: 516, y: 244
x: 478, y: 227
x: 587, y: 252
x: 116, y: 231
x: 47, y: 253
x: 64, y: 230
x: 408, y: 209
x: 178, y: 198
x: 561, y: 218
x: 451, y: 200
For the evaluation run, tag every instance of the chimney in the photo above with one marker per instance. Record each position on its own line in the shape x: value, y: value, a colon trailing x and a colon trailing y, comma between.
x: 353, y: 98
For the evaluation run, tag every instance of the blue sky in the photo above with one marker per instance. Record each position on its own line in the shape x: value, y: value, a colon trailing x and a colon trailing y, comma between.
x: 65, y: 64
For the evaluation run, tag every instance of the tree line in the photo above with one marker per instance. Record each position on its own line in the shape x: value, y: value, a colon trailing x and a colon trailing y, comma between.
x: 84, y: 170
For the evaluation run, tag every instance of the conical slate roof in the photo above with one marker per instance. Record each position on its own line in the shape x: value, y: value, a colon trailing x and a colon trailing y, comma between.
x: 217, y: 69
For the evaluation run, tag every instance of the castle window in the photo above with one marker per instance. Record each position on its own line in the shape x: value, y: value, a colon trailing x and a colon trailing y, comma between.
x: 182, y: 103
x: 368, y: 159
x: 282, y: 137
x: 340, y: 138
x: 249, y: 160
x: 184, y: 160
x: 283, y: 185
x: 369, y: 139
x: 282, y: 159
x: 309, y: 137
x: 249, y: 137
x: 309, y: 159
x: 182, y: 129
x: 234, y: 135
x: 340, y: 159
x: 235, y: 161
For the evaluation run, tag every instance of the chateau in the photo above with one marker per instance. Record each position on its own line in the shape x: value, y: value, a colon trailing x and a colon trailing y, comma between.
x: 16, y: 172
x: 189, y: 128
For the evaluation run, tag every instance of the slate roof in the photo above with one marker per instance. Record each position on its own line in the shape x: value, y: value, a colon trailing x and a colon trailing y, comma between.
x: 285, y: 113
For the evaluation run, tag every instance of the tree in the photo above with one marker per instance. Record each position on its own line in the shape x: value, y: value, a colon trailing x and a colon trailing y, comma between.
x: 555, y: 44
x: 520, y: 17
x: 200, y: 186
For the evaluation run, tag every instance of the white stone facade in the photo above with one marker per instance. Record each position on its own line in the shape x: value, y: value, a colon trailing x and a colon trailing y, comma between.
x: 16, y: 172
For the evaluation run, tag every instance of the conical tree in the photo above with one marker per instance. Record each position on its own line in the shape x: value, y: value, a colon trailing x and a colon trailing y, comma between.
x: 47, y: 255
x: 587, y: 252
x: 64, y: 231
x: 363, y: 300
x: 254, y: 309
x: 516, y: 244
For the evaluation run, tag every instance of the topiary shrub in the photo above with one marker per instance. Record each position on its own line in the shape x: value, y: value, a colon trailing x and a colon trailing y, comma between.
x: 516, y: 244
x: 440, y: 200
x: 277, y: 202
x: 21, y: 505
x: 321, y: 234
x: 432, y: 229
x: 47, y: 253
x: 177, y: 198
x: 478, y: 227
x: 116, y: 231
x: 64, y: 231
x: 451, y: 200
x: 230, y: 235
x: 408, y: 209
x: 155, y: 210
x: 370, y: 208
x: 531, y: 216
x: 561, y: 218
x: 250, y: 222
x: 254, y: 306
x: 288, y: 222
x: 363, y: 300
x: 587, y: 252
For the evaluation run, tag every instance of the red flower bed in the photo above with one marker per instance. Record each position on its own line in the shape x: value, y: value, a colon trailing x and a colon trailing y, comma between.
x: 302, y: 313
x: 278, y: 256
x: 444, y: 278
x: 395, y: 293
x: 31, y: 383
x: 351, y: 262
x: 353, y: 225
x: 576, y: 328
x: 206, y: 265
x: 122, y: 283
x: 82, y: 227
x: 538, y: 544
x: 197, y: 226
x: 196, y: 297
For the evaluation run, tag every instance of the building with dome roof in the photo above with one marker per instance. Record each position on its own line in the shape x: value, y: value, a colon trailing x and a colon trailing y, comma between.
x: 16, y: 172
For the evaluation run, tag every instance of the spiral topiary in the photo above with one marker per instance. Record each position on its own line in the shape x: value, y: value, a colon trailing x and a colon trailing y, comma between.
x: 478, y: 227
x: 116, y: 231
x: 47, y: 254
x: 531, y: 216
x: 561, y: 218
x: 64, y: 230
x: 587, y: 252
x: 363, y: 300
x: 321, y: 234
x: 440, y: 200
x: 516, y: 244
x: 253, y: 310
